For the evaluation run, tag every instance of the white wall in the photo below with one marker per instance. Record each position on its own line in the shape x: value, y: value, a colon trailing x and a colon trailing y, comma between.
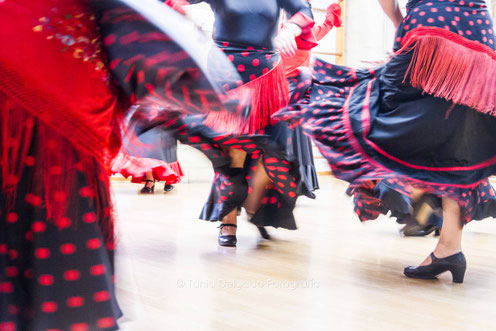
x: 369, y: 33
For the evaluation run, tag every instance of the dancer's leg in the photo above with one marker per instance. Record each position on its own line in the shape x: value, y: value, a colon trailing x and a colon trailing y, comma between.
x: 258, y: 184
x: 237, y: 161
x: 450, y: 240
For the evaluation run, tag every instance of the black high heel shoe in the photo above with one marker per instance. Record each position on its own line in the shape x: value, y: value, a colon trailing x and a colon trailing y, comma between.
x: 263, y: 232
x: 146, y: 189
x: 456, y: 264
x: 227, y: 240
x: 168, y: 188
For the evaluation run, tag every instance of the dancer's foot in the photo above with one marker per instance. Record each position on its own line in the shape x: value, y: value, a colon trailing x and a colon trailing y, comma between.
x: 168, y: 188
x: 441, y: 252
x: 227, y: 235
x: 149, y: 187
x: 455, y: 263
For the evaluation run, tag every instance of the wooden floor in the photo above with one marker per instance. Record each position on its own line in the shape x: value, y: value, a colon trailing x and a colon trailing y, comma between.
x: 332, y: 274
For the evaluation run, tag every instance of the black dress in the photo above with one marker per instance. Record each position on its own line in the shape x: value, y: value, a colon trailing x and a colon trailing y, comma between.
x: 244, y: 31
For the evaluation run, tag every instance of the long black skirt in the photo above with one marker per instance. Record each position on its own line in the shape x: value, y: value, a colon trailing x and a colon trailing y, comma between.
x: 57, y: 273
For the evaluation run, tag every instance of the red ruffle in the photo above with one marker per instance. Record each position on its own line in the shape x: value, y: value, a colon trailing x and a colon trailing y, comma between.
x: 136, y: 168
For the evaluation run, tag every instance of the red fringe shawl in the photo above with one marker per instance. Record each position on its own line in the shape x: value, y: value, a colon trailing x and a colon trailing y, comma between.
x: 449, y: 66
x: 266, y: 95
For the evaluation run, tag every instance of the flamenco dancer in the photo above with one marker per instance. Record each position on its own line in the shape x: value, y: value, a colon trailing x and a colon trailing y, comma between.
x: 157, y: 162
x: 260, y: 177
x: 423, y: 122
x: 297, y: 70
x: 57, y: 138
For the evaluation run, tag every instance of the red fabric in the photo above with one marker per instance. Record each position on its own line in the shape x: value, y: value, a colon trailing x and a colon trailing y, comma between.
x: 136, y: 168
x: 64, y: 85
x: 302, y: 56
x: 54, y: 87
x: 467, y: 78
x: 306, y: 40
x: 333, y: 15
x: 177, y: 5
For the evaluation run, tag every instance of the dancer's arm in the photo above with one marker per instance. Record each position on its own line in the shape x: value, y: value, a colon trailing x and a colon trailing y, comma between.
x: 333, y: 19
x: 392, y: 10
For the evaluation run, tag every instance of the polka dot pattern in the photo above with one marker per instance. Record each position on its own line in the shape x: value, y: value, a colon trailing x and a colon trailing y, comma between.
x: 335, y: 117
x: 469, y: 19
x: 64, y: 260
x: 250, y: 63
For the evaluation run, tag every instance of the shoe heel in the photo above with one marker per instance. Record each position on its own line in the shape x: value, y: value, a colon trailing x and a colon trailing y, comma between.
x: 458, y: 274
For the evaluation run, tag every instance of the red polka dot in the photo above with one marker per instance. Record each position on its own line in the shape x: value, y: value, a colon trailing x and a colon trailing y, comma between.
x: 71, y: 275
x: 75, y: 302
x: 94, y: 243
x: 245, y: 54
x: 86, y: 192
x: 49, y: 307
x: 13, y: 254
x: 29, y: 235
x: 3, y: 249
x: 106, y: 322
x: 45, y: 280
x: 42, y: 253
x: 33, y: 199
x: 11, y: 271
x: 63, y: 222
x: 241, y: 68
x: 6, y: 287
x: 255, y: 63
x: 253, y: 77
x: 89, y: 217
x: 292, y: 194
x: 12, y: 217
x: 13, y: 310
x: 101, y: 296
x: 7, y: 326
x: 38, y: 227
x: 230, y: 58
x: 79, y: 327
x: 97, y: 270
x: 67, y: 249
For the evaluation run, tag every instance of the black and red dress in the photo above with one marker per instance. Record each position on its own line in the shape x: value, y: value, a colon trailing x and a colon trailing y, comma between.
x: 68, y: 70
x: 245, y: 32
x: 424, y: 119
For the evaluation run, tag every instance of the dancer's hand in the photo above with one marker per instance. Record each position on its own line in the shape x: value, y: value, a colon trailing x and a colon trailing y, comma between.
x: 285, y: 40
x: 333, y: 15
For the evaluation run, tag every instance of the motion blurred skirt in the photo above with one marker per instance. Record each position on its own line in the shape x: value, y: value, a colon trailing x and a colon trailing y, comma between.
x: 425, y: 119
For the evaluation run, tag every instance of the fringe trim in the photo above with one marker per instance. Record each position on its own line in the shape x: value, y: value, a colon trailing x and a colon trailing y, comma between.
x: 449, y: 66
x: 267, y: 94
x: 55, y: 166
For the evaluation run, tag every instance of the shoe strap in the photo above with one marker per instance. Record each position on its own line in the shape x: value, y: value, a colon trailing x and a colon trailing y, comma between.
x: 149, y: 180
x: 433, y: 257
x: 227, y: 224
